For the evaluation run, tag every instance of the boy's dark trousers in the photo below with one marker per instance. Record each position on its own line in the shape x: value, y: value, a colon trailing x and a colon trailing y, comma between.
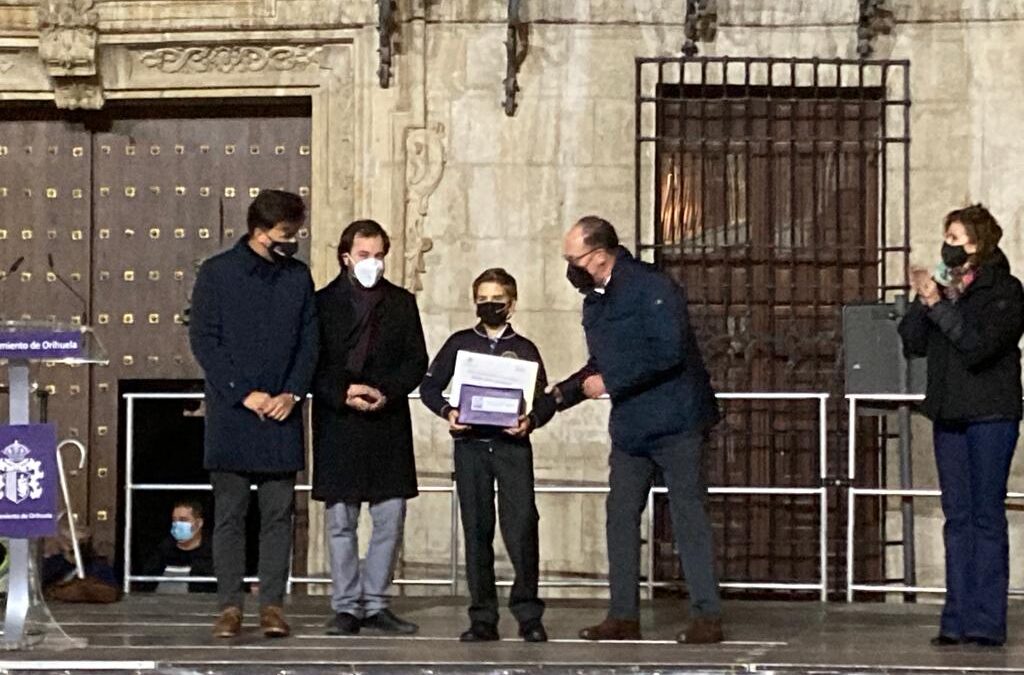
x: 478, y: 464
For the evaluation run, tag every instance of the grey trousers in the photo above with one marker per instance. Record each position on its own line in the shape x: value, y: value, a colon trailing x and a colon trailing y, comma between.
x: 362, y: 591
x: 680, y: 460
x: 276, y: 493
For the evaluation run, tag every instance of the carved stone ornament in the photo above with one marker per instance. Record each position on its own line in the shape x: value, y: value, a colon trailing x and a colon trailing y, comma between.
x: 72, y: 93
x: 67, y: 37
x: 68, y: 31
x: 230, y: 58
x: 425, y: 159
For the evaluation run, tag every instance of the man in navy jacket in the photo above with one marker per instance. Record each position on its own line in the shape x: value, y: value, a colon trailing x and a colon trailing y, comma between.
x: 644, y: 356
x: 253, y: 330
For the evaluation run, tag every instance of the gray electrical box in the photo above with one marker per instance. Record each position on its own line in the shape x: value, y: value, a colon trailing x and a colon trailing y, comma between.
x: 874, y: 352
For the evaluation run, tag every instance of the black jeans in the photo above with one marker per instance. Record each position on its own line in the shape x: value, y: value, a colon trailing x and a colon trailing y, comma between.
x: 478, y: 464
x: 680, y: 459
x: 276, y: 493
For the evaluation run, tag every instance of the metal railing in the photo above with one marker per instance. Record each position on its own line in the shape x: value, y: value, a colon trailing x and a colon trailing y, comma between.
x: 818, y: 491
x: 854, y: 492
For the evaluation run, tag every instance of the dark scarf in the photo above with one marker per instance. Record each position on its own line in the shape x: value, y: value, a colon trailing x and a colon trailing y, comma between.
x: 367, y: 324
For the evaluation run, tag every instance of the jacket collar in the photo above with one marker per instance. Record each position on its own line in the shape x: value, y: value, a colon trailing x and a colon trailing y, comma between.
x: 342, y: 284
x: 252, y: 260
x: 507, y: 334
x: 996, y: 266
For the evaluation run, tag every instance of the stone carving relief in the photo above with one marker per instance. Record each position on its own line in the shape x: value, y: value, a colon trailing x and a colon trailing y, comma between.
x: 230, y: 58
x: 424, y: 165
x: 68, y: 31
x: 74, y: 94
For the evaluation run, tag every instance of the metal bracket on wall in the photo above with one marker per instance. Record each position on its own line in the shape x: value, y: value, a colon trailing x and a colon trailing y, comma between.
x: 517, y: 43
x: 700, y: 24
x: 386, y: 29
x: 875, y: 19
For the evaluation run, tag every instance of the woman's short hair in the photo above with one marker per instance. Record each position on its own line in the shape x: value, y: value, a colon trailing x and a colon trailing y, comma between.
x: 981, y: 226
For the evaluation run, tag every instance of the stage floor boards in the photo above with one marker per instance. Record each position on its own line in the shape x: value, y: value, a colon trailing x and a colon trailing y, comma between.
x: 170, y: 634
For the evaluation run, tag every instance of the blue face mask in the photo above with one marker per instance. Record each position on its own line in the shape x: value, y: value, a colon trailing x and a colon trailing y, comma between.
x: 181, y: 530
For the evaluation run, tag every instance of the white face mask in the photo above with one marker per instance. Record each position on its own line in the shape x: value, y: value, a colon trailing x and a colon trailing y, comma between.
x: 368, y: 272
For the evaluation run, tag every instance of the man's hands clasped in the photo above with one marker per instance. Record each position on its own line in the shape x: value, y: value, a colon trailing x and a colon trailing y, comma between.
x: 277, y: 408
x: 364, y: 398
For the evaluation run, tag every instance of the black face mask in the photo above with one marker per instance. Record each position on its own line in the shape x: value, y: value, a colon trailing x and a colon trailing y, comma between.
x: 285, y: 249
x: 492, y: 314
x: 580, y: 278
x: 954, y: 256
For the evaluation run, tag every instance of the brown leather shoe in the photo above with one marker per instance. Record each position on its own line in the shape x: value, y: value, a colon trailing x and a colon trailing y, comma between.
x: 704, y: 630
x: 229, y: 623
x: 272, y: 622
x: 612, y: 629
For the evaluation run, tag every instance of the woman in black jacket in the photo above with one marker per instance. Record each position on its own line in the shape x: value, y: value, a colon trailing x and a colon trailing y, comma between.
x: 967, y: 320
x: 372, y: 355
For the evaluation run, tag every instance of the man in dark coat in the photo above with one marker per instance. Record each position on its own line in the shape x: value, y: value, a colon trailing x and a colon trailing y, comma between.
x: 644, y: 355
x: 372, y: 356
x: 253, y: 330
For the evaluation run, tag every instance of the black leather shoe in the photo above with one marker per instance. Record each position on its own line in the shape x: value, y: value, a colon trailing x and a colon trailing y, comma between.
x: 385, y: 621
x: 480, y: 632
x: 533, y: 631
x: 343, y: 623
x: 941, y: 640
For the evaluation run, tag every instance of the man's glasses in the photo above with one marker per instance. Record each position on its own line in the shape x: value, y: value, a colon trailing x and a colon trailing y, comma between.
x: 575, y: 260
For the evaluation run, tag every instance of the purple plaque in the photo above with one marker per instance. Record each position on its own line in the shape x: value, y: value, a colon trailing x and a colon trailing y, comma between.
x: 490, y: 406
x: 40, y: 344
x: 28, y: 481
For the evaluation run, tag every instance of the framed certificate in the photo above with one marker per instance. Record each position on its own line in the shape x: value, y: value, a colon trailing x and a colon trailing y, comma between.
x: 493, y: 372
x: 490, y: 406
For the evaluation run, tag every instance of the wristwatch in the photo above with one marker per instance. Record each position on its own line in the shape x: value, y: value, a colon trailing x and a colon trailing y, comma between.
x: 296, y: 398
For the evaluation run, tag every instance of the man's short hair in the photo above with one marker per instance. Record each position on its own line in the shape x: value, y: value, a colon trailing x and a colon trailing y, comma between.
x: 196, y: 507
x: 361, y: 228
x: 598, y: 233
x: 497, y: 275
x: 276, y: 206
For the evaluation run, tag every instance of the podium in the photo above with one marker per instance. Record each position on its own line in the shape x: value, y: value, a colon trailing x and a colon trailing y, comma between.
x: 21, y: 344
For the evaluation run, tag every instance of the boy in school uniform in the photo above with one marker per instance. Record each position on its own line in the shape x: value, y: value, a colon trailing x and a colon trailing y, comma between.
x: 485, y: 454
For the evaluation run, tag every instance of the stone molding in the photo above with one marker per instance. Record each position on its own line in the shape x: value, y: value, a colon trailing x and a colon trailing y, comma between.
x: 230, y: 58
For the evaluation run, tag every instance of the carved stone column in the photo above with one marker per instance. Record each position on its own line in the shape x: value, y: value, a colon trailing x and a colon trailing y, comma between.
x: 68, y: 30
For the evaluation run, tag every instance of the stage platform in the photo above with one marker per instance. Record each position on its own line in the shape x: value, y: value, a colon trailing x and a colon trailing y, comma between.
x: 170, y: 634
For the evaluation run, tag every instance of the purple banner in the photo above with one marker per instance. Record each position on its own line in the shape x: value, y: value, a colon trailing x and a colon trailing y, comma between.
x: 39, y: 343
x: 28, y: 481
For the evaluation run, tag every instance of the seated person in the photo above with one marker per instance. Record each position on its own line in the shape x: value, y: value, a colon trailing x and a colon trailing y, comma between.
x: 183, y: 551
x: 58, y: 574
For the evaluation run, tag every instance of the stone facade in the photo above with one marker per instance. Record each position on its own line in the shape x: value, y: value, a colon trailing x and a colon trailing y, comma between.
x: 462, y: 186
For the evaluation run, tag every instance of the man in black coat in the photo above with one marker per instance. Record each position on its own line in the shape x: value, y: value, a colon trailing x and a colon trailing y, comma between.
x: 644, y: 355
x: 372, y: 356
x: 253, y: 330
